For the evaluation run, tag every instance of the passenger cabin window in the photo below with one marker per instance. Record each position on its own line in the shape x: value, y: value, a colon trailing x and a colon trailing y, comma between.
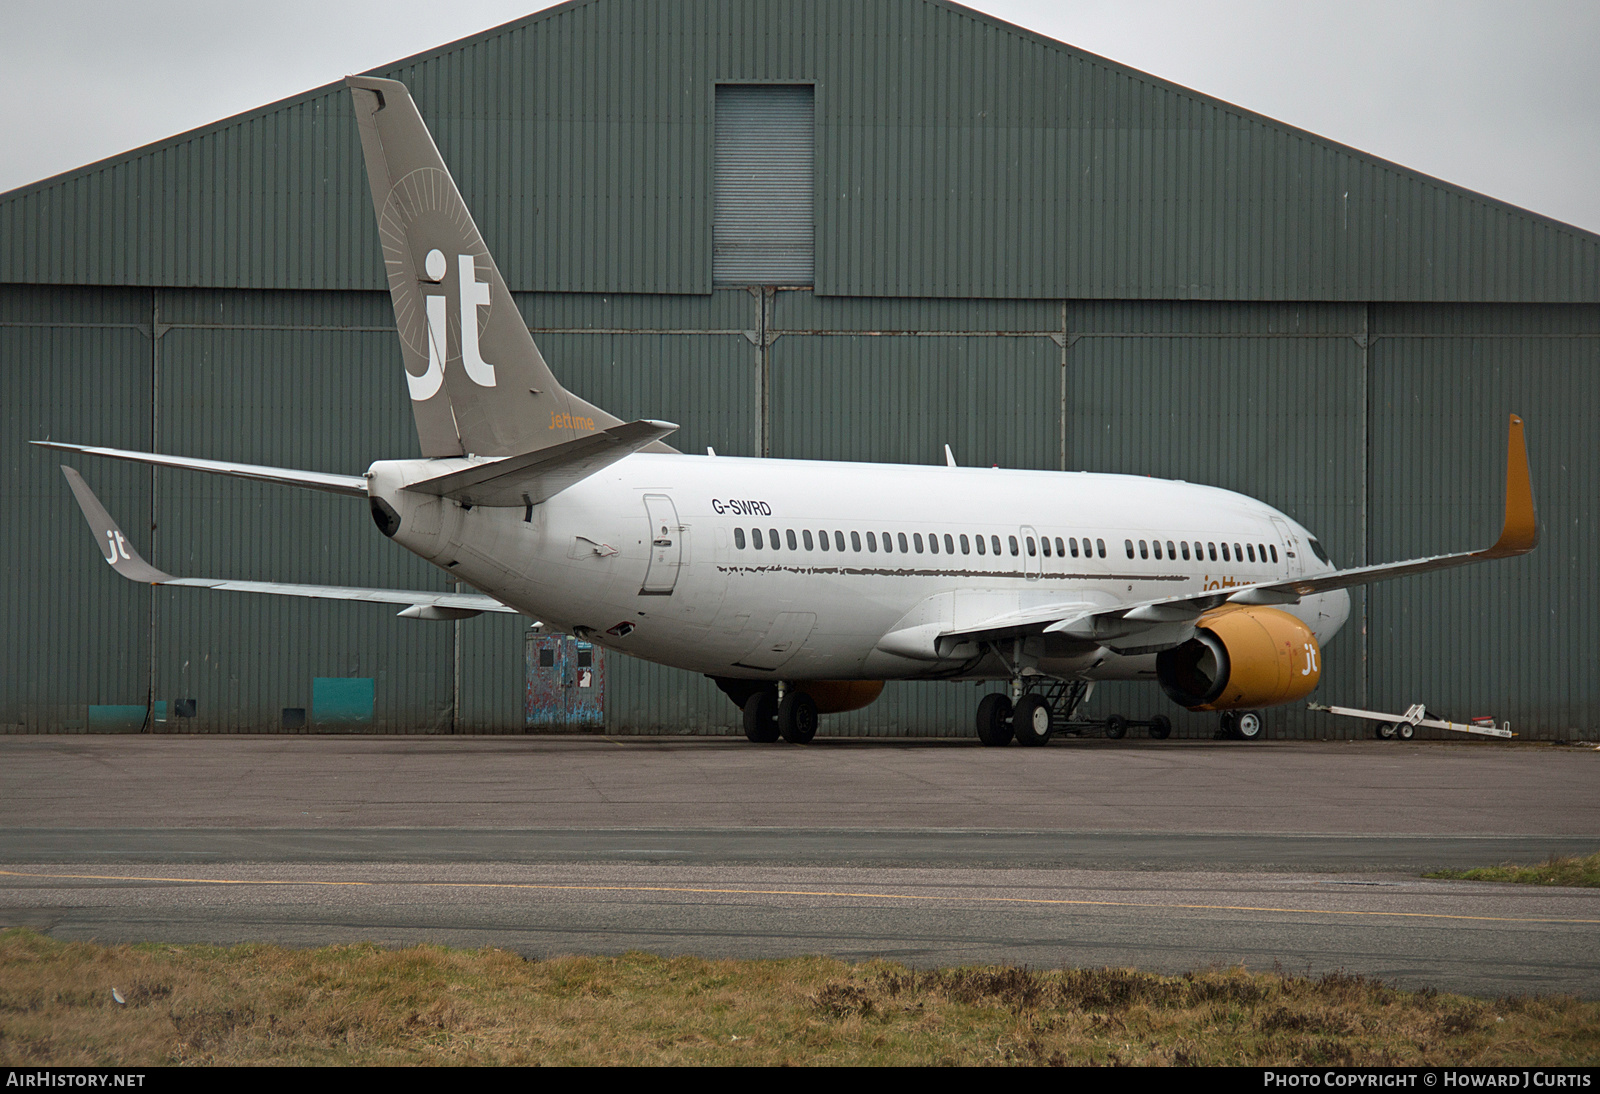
x: 964, y: 545
x: 806, y: 535
x: 1157, y: 546
x: 950, y: 544
x: 1274, y: 547
x: 1100, y: 543
x: 855, y: 542
x: 1213, y: 551
x: 994, y: 542
x: 981, y: 548
x: 1015, y: 550
x: 1170, y: 552
x: 1225, y: 557
x: 1074, y: 543
x: 1250, y: 547
x: 1032, y: 552
x: 1185, y: 546
x: 1044, y: 545
x: 738, y: 538
x: 776, y: 543
x: 1128, y: 543
x: 1144, y: 549
x: 1238, y: 555
x: 755, y: 538
x: 902, y: 538
x: 794, y: 544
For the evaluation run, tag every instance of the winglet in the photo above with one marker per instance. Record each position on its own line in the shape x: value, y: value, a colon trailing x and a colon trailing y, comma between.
x: 1520, y: 533
x: 115, y: 547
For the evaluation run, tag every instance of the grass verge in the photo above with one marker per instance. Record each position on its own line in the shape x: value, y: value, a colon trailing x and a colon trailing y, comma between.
x: 427, y: 1005
x: 1556, y: 870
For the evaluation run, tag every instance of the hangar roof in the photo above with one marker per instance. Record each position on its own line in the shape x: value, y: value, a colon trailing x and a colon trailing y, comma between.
x: 956, y: 156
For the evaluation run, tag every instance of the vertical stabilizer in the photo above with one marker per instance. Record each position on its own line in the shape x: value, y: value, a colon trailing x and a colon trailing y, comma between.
x: 478, y: 383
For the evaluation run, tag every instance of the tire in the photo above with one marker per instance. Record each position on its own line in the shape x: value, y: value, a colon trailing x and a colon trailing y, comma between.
x: 761, y: 717
x: 1405, y: 731
x: 797, y: 718
x: 1250, y: 726
x: 1116, y: 727
x: 1160, y: 727
x: 1384, y: 731
x: 1031, y: 721
x: 994, y: 719
x: 1228, y: 726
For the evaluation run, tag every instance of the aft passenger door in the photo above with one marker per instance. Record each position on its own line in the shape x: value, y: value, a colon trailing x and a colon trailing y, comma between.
x: 666, y: 546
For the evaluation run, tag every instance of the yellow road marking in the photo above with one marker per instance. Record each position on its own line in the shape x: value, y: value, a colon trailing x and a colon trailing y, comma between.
x: 842, y: 895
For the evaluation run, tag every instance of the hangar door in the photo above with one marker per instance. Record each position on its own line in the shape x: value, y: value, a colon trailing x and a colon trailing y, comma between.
x: 566, y: 684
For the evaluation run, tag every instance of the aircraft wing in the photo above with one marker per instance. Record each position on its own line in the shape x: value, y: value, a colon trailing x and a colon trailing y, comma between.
x: 352, y: 485
x: 118, y: 551
x: 1169, y: 621
x: 531, y: 477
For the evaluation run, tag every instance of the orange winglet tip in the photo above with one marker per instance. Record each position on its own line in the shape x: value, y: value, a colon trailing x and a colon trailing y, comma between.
x: 1520, y: 533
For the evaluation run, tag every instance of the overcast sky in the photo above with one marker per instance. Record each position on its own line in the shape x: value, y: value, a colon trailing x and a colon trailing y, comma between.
x: 1495, y: 96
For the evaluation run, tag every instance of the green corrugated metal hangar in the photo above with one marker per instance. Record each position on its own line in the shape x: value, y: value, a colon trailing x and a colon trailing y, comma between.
x: 1030, y: 253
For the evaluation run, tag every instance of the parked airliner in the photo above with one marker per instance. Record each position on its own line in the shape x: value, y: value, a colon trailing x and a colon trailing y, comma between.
x: 799, y: 586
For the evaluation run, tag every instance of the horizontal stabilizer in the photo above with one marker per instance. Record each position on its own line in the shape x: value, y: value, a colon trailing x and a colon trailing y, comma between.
x: 119, y: 552
x: 531, y: 477
x: 353, y: 485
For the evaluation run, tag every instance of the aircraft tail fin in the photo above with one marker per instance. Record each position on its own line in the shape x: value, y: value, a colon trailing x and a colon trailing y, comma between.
x: 478, y: 384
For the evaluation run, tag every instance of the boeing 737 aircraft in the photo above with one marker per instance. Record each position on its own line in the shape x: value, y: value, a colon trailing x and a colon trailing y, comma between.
x: 798, y: 586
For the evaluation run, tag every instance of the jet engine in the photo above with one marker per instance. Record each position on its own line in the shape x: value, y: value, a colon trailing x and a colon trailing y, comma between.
x: 1241, y: 658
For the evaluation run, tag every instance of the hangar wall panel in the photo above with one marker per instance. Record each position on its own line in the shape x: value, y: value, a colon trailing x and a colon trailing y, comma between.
x: 956, y: 156
x: 1518, y: 639
x: 1265, y: 400
x: 76, y: 365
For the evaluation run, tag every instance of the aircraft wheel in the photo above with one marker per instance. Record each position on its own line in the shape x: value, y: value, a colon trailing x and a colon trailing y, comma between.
x: 1228, y: 726
x: 1406, y: 731
x: 994, y: 719
x: 797, y: 718
x: 1031, y: 720
x: 1160, y: 727
x: 761, y: 717
x: 1384, y: 731
x: 1250, y: 726
x: 1116, y: 727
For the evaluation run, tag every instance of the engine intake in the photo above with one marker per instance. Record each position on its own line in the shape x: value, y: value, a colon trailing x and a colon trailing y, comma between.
x: 1241, y: 658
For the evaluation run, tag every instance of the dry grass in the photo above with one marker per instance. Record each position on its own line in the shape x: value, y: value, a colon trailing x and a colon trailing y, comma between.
x: 1555, y: 870
x: 427, y: 1005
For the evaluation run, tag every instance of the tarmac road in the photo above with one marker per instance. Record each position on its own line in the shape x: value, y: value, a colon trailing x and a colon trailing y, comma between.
x: 1165, y: 855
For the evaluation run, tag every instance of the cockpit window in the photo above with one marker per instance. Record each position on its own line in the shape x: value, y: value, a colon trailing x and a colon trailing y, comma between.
x: 1316, y: 549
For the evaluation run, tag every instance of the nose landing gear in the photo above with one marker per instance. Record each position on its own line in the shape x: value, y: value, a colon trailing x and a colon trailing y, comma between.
x: 1046, y: 707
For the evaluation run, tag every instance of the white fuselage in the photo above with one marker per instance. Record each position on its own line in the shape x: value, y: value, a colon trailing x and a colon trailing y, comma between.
x: 672, y: 558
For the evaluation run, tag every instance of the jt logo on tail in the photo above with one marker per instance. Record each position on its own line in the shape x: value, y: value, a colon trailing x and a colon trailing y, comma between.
x: 473, y: 294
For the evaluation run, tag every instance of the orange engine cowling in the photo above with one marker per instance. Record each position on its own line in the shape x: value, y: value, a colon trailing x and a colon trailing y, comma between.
x: 838, y: 696
x: 1241, y: 658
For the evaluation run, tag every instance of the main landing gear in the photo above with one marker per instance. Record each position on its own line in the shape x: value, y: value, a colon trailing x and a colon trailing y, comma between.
x: 766, y: 717
x: 1241, y: 725
x: 1047, y: 707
